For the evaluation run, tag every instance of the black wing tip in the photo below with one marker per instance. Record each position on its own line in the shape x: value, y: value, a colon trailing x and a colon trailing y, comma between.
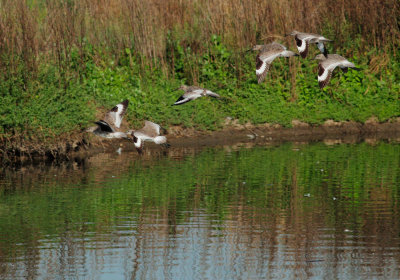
x: 101, y: 122
x: 180, y: 99
x: 125, y: 103
x: 303, y: 54
x: 298, y: 41
x: 323, y: 84
x: 259, y: 62
x: 104, y: 126
x: 321, y: 69
x: 140, y: 151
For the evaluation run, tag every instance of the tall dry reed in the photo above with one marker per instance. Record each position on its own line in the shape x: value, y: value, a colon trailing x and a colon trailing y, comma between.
x: 48, y: 29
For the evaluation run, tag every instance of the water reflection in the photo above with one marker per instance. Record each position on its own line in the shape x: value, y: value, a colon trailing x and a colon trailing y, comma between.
x: 277, y: 212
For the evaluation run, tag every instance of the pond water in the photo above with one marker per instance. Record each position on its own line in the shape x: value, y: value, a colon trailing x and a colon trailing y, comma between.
x: 289, y: 211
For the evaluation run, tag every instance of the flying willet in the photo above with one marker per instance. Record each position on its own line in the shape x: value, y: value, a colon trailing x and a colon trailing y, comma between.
x: 267, y: 53
x: 150, y: 132
x: 112, y: 121
x: 192, y: 93
x: 304, y: 39
x: 327, y: 64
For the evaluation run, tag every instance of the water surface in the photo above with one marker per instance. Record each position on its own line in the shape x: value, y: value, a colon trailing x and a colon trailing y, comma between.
x: 288, y: 211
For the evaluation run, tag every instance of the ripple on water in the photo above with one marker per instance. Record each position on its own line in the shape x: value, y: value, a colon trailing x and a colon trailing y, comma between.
x: 281, y: 212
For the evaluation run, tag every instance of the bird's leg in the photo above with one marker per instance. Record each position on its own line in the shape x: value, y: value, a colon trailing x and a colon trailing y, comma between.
x: 139, y: 150
x: 166, y: 145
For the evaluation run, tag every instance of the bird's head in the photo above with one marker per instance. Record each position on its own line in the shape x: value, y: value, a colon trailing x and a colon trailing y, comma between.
x: 131, y: 135
x: 256, y: 48
x: 320, y: 57
x: 182, y: 87
x: 293, y: 33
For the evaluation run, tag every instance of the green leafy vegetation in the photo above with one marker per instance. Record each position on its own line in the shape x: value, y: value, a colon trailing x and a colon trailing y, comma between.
x: 53, y: 85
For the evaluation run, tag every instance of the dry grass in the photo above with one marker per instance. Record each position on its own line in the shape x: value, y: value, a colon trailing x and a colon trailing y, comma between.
x: 50, y: 28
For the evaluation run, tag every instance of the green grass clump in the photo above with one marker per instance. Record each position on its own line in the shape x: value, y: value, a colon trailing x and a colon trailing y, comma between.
x: 64, y: 100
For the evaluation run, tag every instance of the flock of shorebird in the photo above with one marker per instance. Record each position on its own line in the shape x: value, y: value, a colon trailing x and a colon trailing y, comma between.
x: 109, y: 126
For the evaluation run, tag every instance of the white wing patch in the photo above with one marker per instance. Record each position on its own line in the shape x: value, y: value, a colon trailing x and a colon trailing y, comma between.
x: 193, y: 94
x: 118, y: 115
x: 120, y: 108
x: 262, y: 68
x: 142, y: 136
x: 160, y: 139
x: 303, y: 46
x: 323, y: 76
x: 115, y: 115
x: 182, y: 100
x: 198, y: 91
x: 330, y: 68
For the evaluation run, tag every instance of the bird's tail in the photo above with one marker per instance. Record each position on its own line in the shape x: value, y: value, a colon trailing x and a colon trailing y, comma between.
x: 289, y: 54
x: 160, y: 139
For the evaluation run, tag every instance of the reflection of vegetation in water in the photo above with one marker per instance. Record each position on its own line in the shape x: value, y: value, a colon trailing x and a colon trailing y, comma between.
x: 346, y: 185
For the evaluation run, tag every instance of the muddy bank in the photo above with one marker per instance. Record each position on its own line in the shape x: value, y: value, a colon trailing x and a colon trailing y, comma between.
x: 83, y: 144
x: 347, y: 132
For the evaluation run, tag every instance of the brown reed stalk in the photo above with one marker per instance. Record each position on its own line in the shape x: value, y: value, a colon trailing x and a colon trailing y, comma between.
x: 50, y: 29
